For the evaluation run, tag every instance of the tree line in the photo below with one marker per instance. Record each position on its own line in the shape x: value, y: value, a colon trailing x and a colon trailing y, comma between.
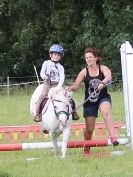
x: 29, y: 27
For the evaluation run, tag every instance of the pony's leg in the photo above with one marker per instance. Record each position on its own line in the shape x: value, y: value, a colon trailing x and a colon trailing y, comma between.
x: 58, y: 133
x: 54, y: 142
x: 66, y: 134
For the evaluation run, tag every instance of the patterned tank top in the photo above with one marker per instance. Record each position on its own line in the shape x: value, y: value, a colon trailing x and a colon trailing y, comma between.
x: 91, y: 91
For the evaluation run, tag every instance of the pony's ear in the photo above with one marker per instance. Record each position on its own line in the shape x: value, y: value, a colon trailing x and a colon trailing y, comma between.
x: 55, y: 91
x: 58, y: 88
x: 69, y: 94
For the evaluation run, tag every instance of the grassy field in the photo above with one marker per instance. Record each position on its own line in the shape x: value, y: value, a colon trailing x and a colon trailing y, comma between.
x: 14, y: 110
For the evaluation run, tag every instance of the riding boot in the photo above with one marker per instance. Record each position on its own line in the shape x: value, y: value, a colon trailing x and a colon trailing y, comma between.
x: 37, y: 118
x: 75, y: 115
x: 44, y: 92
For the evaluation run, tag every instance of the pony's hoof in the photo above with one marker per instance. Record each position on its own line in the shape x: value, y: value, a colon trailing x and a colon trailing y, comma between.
x: 46, y: 131
x: 62, y: 157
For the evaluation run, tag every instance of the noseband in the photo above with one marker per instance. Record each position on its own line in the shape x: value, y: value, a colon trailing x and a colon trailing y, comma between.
x: 60, y: 112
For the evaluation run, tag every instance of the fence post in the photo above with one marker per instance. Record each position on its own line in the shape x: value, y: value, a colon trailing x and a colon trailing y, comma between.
x: 8, y: 86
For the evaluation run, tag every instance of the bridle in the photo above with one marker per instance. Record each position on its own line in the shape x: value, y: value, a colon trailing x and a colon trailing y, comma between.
x: 60, y: 112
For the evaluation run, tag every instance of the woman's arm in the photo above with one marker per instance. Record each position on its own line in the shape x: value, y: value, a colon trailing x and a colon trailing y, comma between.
x: 107, y: 74
x: 78, y: 80
x: 108, y: 77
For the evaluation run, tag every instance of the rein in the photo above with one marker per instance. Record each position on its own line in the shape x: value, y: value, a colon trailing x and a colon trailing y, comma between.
x: 105, y: 84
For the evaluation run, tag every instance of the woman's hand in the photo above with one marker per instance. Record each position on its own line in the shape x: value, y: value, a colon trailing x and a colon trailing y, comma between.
x: 101, y: 85
x: 69, y: 88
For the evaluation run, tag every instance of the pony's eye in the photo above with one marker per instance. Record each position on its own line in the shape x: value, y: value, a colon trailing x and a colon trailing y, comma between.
x: 55, y: 107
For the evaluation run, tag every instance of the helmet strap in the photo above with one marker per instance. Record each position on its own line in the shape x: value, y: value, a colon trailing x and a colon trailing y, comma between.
x: 55, y: 61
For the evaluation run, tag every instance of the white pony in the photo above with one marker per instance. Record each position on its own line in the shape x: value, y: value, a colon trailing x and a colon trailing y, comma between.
x: 56, y: 115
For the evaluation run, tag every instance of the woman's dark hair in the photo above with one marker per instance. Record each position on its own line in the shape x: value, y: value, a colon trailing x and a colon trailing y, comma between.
x: 95, y: 53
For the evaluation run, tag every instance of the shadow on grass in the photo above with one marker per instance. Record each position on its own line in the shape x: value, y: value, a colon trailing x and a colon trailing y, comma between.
x: 3, y: 174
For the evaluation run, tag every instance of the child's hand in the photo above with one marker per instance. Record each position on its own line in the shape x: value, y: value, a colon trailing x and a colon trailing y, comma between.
x: 45, y: 77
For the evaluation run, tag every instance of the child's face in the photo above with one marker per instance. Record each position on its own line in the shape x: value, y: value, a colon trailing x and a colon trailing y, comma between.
x: 55, y: 56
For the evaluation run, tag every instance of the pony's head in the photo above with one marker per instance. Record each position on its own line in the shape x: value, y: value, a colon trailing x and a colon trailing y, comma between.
x: 61, y: 104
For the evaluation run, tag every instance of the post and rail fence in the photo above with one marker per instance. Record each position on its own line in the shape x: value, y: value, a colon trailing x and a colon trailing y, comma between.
x: 8, y: 83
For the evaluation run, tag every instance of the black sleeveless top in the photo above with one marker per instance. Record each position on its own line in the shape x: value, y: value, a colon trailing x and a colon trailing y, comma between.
x: 91, y: 92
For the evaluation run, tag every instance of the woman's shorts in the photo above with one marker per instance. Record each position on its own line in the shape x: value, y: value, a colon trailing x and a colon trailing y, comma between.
x: 92, y: 111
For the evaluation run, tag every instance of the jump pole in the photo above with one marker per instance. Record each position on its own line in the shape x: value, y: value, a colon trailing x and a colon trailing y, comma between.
x: 71, y: 144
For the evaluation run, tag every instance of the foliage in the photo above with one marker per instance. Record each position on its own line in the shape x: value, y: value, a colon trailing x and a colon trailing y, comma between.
x: 28, y: 28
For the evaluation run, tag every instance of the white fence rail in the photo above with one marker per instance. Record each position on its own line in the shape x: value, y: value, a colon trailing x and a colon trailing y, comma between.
x: 9, y: 82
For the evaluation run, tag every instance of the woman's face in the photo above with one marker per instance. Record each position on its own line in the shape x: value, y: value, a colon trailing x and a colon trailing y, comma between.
x: 90, y: 59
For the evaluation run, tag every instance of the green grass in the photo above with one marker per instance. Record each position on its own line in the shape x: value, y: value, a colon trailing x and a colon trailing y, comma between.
x: 14, y: 110
x: 14, y: 164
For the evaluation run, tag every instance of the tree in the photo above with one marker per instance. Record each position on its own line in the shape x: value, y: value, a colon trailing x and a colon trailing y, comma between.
x: 29, y: 27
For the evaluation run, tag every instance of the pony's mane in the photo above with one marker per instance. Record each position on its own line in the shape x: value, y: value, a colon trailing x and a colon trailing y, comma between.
x: 58, y: 94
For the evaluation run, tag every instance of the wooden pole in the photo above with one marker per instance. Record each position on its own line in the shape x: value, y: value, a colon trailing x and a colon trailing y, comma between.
x: 8, y: 86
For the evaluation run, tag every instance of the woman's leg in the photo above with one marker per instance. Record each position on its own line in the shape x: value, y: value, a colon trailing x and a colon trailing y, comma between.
x: 90, y: 126
x: 105, y: 109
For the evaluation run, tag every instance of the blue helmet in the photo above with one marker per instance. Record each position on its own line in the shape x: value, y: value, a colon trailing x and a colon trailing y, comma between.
x: 57, y: 48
